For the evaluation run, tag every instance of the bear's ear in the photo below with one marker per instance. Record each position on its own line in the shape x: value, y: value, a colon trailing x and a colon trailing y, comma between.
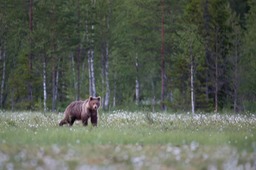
x: 98, y: 98
x: 90, y: 98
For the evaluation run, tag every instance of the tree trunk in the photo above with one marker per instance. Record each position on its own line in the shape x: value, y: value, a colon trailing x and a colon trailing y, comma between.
x: 90, y: 40
x: 236, y: 89
x: 107, y: 95
x: 137, y: 83
x: 207, y: 46
x: 55, y: 83
x: 162, y: 61
x: 78, y: 55
x: 53, y: 89
x: 153, y: 102
x: 92, y: 88
x: 105, y: 75
x: 105, y: 60
x: 216, y: 78
x: 235, y: 82
x: 235, y: 72
x: 3, y: 57
x: 44, y: 84
x: 12, y: 100
x: 74, y: 75
x: 114, y: 92
x: 103, y: 68
x: 216, y: 84
x: 192, y: 72
x: 78, y: 72
x: 30, y: 88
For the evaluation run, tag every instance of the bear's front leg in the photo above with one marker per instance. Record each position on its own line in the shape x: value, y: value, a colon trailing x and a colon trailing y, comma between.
x: 85, y: 121
x: 94, y: 120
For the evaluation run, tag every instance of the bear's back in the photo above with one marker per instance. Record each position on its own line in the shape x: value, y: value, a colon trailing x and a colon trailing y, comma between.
x: 75, y: 109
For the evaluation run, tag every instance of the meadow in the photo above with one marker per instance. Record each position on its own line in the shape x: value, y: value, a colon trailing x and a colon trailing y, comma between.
x: 129, y: 140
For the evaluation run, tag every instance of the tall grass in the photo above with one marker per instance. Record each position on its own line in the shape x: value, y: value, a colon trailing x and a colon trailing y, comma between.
x: 128, y: 140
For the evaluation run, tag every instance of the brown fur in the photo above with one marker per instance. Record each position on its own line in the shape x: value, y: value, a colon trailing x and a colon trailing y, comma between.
x: 82, y: 110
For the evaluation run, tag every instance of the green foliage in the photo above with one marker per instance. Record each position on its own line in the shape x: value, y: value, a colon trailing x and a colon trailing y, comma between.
x: 248, y: 62
x: 63, y: 32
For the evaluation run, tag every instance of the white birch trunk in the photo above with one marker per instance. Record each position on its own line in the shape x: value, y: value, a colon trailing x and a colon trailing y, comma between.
x: 78, y: 72
x: 192, y: 80
x: 103, y: 60
x: 103, y: 72
x: 92, y: 88
x: 137, y: 91
x: 216, y: 84
x: 216, y: 71
x: 74, y: 74
x: 114, y: 95
x: 236, y: 76
x: 107, y: 95
x: 236, y: 87
x: 57, y: 85
x: 12, y: 100
x: 44, y: 85
x: 3, y: 77
x: 55, y: 88
x: 153, y: 104
x: 137, y: 83
x: 89, y: 71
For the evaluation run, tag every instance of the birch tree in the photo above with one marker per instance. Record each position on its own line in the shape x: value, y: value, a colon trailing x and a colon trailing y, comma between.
x: 3, y: 32
x: 45, y: 84
x: 137, y: 82
x: 190, y: 58
x: 104, y: 13
x: 131, y: 51
x: 163, y: 76
x: 3, y: 81
x: 105, y: 74
x: 234, y: 58
x: 90, y: 28
x: 192, y: 81
x: 30, y: 55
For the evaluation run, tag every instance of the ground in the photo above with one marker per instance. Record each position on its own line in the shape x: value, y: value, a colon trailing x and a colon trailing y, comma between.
x: 129, y: 140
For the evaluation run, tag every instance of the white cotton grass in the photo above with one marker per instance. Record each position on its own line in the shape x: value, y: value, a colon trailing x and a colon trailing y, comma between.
x: 138, y: 140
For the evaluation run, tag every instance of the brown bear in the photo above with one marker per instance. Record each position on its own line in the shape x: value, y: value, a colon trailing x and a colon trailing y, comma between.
x: 82, y: 110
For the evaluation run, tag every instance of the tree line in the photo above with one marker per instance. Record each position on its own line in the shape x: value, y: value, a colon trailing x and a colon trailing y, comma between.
x: 190, y: 55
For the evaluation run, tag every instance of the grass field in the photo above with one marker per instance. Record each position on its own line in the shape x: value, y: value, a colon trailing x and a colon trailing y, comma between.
x: 128, y: 140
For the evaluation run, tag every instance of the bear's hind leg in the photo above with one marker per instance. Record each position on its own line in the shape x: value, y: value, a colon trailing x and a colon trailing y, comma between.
x: 72, y: 120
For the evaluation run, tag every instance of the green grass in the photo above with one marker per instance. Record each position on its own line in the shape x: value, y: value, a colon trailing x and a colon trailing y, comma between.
x: 128, y: 140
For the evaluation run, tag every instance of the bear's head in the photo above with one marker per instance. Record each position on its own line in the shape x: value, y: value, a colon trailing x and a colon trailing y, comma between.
x: 94, y: 102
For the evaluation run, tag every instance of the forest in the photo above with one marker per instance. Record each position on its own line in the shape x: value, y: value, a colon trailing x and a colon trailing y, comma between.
x: 176, y: 55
